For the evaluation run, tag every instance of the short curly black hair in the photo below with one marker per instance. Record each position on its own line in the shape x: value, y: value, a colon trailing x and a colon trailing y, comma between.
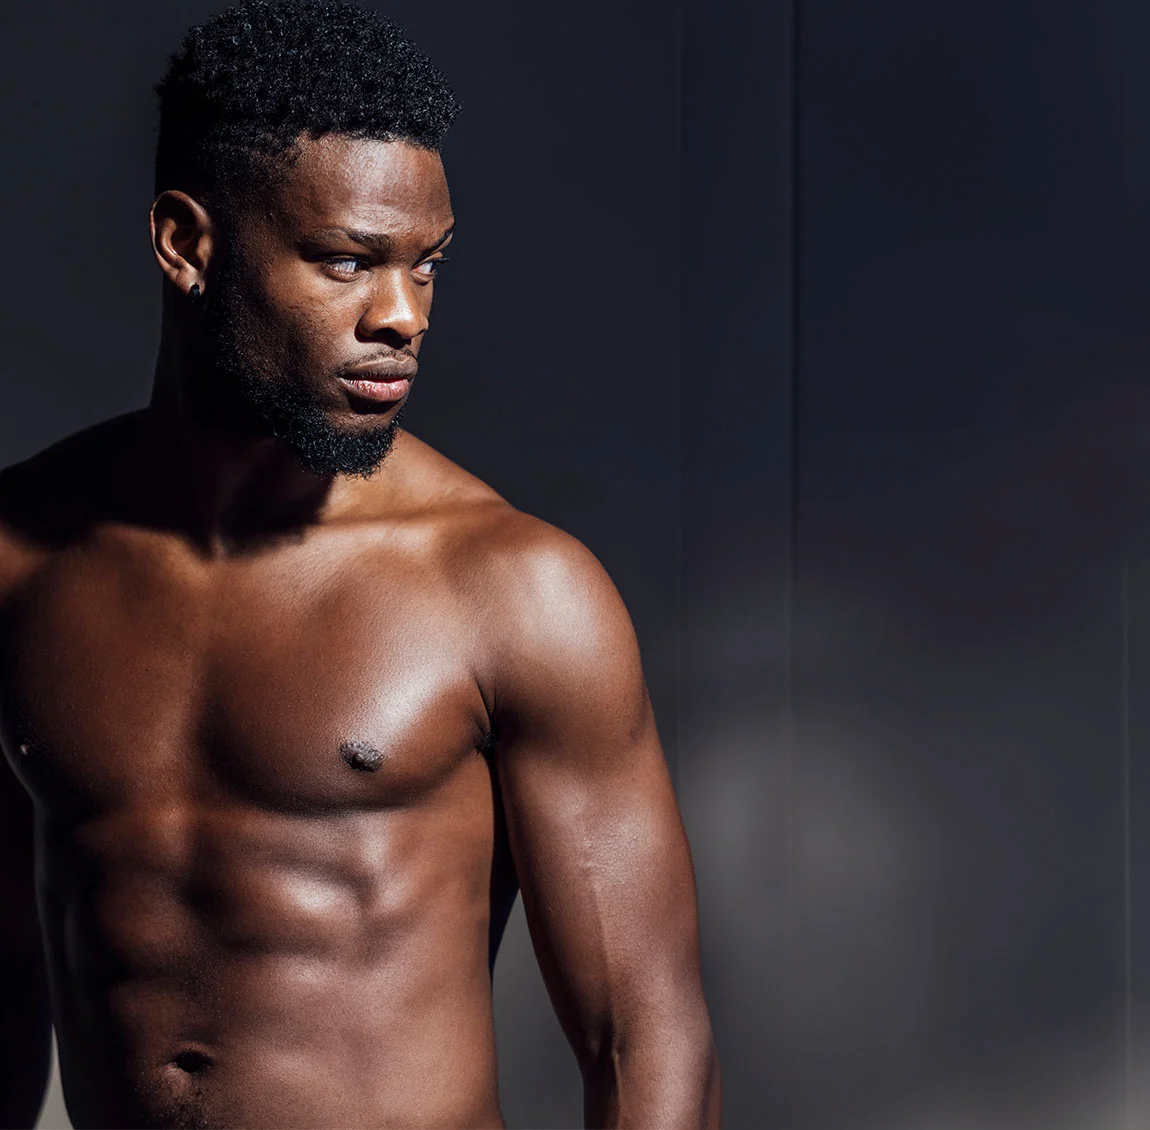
x: 249, y: 82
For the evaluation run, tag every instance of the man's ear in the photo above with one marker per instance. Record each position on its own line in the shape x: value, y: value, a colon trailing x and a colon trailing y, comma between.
x: 182, y: 239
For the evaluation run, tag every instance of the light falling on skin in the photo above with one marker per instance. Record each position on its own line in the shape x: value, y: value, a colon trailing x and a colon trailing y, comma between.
x: 308, y: 894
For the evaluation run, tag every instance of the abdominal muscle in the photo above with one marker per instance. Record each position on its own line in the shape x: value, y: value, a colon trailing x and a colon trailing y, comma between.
x: 217, y: 966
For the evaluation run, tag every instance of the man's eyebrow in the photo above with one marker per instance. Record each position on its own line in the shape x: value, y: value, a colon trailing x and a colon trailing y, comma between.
x: 441, y: 240
x: 375, y: 241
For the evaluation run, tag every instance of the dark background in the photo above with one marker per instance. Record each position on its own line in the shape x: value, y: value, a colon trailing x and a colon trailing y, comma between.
x: 864, y: 456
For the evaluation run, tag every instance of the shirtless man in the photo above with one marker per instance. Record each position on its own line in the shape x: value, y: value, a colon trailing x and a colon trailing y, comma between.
x: 292, y: 704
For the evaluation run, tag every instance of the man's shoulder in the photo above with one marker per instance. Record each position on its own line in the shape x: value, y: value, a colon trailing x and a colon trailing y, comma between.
x: 539, y: 609
x: 68, y: 480
x: 514, y: 554
x: 540, y: 564
x: 503, y: 556
x: 48, y: 499
x: 26, y: 491
x: 472, y: 520
x: 539, y: 597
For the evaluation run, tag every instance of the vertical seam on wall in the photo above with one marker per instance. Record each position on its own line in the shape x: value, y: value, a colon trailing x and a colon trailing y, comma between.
x: 794, y: 250
x: 681, y: 565
x: 1127, y: 878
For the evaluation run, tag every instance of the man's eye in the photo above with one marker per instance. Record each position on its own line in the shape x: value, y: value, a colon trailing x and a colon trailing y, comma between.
x: 430, y: 267
x: 345, y: 264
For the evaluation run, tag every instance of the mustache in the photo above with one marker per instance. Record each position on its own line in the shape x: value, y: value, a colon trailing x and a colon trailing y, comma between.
x: 386, y: 354
x: 384, y: 364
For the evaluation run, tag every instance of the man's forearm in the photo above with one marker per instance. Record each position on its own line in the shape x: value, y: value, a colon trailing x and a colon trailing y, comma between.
x: 658, y: 1084
x: 25, y: 1038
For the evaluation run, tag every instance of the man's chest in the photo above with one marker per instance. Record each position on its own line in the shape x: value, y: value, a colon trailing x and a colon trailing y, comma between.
x: 301, y: 680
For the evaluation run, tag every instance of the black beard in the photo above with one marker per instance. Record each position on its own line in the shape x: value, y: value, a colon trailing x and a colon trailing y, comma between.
x: 261, y: 399
x: 293, y: 416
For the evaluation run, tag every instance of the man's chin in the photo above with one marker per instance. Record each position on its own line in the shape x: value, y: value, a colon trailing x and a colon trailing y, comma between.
x: 327, y: 448
x: 329, y: 438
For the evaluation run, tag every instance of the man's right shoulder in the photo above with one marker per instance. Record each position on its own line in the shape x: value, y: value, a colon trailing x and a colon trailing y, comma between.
x: 50, y: 498
x: 20, y: 550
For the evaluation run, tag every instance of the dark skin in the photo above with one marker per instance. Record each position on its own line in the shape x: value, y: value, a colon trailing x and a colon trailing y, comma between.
x: 293, y: 739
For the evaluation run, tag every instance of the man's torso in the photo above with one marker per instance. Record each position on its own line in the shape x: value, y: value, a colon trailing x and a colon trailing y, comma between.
x: 269, y: 839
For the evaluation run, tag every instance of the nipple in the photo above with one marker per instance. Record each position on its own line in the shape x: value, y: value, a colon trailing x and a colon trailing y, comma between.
x: 361, y: 756
x: 191, y: 1062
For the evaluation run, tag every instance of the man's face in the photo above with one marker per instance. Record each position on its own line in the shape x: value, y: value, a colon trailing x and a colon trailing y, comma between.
x: 318, y: 307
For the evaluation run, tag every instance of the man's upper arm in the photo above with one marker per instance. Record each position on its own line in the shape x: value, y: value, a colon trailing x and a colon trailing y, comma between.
x: 25, y: 1021
x: 598, y: 842
x: 18, y: 925
x: 19, y: 930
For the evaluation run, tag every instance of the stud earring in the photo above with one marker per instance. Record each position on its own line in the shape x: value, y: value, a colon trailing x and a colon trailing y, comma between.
x: 195, y: 294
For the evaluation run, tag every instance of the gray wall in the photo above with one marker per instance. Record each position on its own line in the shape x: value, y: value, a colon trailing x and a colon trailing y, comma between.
x: 966, y: 944
x: 916, y: 598
x: 871, y: 480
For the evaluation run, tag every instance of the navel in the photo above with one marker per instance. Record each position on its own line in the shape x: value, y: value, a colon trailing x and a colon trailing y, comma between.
x: 361, y: 756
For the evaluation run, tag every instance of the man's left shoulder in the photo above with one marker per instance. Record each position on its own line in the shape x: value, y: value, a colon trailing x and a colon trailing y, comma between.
x: 556, y: 652
x: 491, y: 541
x: 533, y: 565
x: 521, y: 575
x: 548, y: 614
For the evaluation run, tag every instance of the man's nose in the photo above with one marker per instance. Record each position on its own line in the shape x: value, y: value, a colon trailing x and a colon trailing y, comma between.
x: 394, y: 309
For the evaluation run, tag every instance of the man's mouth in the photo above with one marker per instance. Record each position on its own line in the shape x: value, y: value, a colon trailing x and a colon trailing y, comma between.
x: 378, y: 390
x: 382, y: 381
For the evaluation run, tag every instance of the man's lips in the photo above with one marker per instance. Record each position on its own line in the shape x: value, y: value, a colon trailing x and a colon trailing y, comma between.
x: 383, y: 381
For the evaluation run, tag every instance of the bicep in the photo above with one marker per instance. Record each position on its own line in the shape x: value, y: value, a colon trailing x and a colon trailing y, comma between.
x: 606, y: 880
x: 18, y: 922
x: 19, y: 929
x: 25, y: 1020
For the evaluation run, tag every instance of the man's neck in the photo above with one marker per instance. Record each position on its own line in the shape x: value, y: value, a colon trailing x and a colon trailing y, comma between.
x: 234, y: 487
x: 230, y: 485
